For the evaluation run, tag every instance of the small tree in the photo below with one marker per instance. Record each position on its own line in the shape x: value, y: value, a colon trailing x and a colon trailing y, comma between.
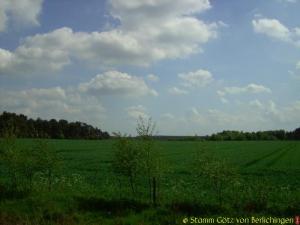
x: 125, y: 161
x: 151, y: 163
x: 215, y: 172
x: 22, y: 163
x: 30, y: 163
x: 48, y: 161
x: 10, y: 158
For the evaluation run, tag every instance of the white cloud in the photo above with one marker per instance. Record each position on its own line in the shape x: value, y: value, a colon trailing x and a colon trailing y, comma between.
x: 167, y: 116
x: 224, y: 100
x: 272, y: 28
x: 282, y: 116
x: 295, y: 77
x: 116, y: 83
x: 297, y: 31
x: 256, y: 103
x: 149, y: 31
x: 250, y: 88
x: 294, y: 74
x: 79, y: 102
x: 288, y: 1
x: 291, y: 114
x: 248, y: 116
x: 298, y: 65
x: 19, y: 12
x: 177, y: 91
x: 199, y: 78
x: 53, y: 102
x: 214, y: 120
x: 135, y: 112
x: 251, y: 116
x: 6, y: 58
x: 152, y: 77
x: 256, y: 88
x: 155, y: 9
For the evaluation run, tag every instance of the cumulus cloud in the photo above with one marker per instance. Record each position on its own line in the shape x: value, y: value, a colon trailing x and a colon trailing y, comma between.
x: 256, y: 103
x: 224, y: 100
x: 288, y: 1
x: 135, y: 112
x: 250, y: 88
x: 294, y: 74
x: 19, y: 12
x: 255, y: 115
x: 54, y: 102
x: 273, y: 28
x: 149, y: 31
x: 177, y: 91
x: 298, y: 65
x: 167, y: 116
x: 116, y: 83
x: 247, y: 116
x: 199, y: 78
x: 289, y: 114
x: 132, y: 11
x: 215, y: 120
x: 37, y: 54
x: 152, y: 78
x: 81, y: 102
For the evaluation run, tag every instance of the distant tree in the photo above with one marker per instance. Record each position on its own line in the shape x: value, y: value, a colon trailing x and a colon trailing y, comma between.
x: 29, y: 128
x: 259, y: 135
x: 296, y: 134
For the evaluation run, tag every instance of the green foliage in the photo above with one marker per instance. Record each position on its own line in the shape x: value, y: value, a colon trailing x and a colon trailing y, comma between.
x: 126, y: 161
x: 23, y: 127
x: 46, y: 160
x: 151, y: 161
x: 213, y: 172
x: 137, y: 160
x: 228, y: 135
x: 21, y: 164
x: 11, y: 159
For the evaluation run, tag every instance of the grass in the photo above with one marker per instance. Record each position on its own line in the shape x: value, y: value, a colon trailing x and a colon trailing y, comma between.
x: 86, y: 192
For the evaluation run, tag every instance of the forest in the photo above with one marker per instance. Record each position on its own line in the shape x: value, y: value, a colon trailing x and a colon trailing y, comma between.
x: 23, y: 127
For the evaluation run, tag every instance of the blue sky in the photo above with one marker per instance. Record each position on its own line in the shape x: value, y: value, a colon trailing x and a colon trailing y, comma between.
x: 194, y: 66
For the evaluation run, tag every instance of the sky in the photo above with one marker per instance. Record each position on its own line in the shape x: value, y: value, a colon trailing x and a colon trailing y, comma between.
x: 195, y: 67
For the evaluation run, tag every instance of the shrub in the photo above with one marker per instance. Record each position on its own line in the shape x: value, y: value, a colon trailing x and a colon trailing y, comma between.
x: 125, y: 162
x: 216, y: 173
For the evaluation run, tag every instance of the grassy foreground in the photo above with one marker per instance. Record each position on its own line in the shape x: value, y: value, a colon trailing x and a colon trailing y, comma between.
x: 85, y: 190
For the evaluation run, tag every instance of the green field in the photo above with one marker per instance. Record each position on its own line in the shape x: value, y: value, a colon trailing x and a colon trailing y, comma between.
x: 86, y: 192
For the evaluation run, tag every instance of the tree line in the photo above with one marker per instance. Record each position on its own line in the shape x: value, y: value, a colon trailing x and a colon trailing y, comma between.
x: 232, y: 135
x: 23, y: 127
x: 228, y: 135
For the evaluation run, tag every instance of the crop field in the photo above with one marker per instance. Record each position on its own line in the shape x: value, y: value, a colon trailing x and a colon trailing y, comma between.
x: 271, y: 158
x: 85, y: 189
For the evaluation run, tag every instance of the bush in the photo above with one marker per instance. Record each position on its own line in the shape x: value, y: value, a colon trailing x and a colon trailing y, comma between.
x: 215, y: 173
x: 126, y: 161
